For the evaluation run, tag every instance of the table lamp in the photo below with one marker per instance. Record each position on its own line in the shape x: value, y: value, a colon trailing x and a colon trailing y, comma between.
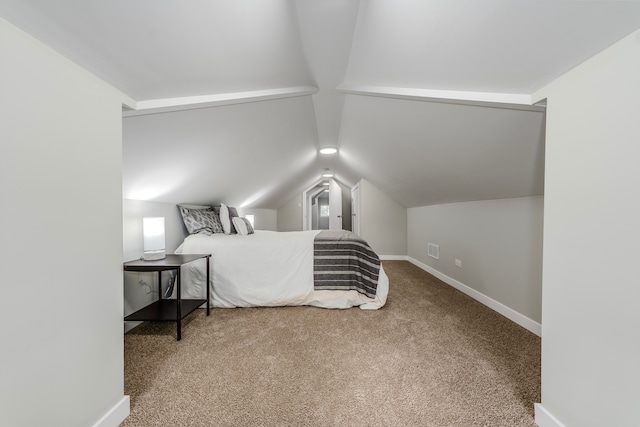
x: 154, y: 244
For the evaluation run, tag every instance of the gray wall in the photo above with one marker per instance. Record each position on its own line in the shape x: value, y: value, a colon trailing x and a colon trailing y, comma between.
x: 323, y: 221
x: 132, y: 213
x: 498, y: 241
x: 264, y: 219
x: 591, y: 290
x: 383, y: 221
x: 290, y: 215
x: 346, y: 207
x: 61, y: 185
x: 314, y: 215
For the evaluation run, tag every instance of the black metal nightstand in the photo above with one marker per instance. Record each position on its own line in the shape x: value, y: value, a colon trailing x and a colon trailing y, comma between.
x: 168, y: 310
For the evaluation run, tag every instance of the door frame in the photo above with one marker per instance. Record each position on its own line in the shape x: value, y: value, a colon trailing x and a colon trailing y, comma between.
x: 307, y: 195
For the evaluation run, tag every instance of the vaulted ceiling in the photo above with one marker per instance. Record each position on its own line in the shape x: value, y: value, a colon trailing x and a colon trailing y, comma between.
x: 427, y: 99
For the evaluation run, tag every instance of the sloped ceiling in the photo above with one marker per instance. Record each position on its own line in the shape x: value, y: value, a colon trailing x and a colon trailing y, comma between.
x: 427, y: 99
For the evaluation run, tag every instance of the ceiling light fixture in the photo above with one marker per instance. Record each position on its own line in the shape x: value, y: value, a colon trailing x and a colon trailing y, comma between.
x: 328, y: 150
x: 327, y: 175
x: 325, y: 183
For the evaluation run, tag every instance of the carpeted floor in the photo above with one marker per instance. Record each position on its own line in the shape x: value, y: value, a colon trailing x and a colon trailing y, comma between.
x: 431, y: 357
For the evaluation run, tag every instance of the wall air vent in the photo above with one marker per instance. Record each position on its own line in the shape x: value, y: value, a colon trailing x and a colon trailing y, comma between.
x: 433, y: 250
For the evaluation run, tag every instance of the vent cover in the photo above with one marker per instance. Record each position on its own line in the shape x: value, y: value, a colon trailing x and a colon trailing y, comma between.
x: 433, y: 250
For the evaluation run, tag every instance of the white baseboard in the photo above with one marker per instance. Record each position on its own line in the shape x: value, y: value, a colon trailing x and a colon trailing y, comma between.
x: 116, y: 415
x: 544, y: 417
x: 507, y: 312
x: 393, y: 257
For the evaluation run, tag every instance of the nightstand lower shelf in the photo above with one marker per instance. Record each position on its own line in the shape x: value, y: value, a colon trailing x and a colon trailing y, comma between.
x: 166, y: 310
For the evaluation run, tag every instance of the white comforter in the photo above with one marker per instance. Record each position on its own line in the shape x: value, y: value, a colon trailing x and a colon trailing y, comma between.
x: 266, y: 268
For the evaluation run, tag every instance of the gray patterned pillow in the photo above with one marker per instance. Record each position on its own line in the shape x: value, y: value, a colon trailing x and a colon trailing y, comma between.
x: 200, y: 221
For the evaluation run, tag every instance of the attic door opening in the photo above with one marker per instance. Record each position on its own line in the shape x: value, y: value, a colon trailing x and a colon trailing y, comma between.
x: 320, y: 211
x: 323, y: 207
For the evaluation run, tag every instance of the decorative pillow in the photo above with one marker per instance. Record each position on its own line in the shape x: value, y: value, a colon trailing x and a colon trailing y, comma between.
x: 226, y: 218
x: 200, y: 220
x: 189, y: 206
x: 233, y: 213
x: 243, y: 225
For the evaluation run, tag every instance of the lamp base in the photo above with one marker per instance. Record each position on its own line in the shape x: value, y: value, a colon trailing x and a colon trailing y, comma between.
x: 153, y: 255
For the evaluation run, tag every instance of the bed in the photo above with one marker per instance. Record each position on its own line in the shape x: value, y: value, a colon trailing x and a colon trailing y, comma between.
x: 269, y: 268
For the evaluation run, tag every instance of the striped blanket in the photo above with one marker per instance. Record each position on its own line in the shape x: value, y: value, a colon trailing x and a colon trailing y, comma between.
x: 343, y: 261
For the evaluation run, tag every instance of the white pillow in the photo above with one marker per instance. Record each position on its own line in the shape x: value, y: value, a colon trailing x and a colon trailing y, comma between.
x: 243, y: 226
x: 224, y: 219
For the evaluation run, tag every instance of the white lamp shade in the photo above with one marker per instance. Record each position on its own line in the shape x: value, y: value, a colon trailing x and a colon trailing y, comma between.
x: 153, y: 234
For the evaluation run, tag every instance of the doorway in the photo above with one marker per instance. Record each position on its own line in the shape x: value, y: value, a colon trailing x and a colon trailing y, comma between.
x: 323, y: 206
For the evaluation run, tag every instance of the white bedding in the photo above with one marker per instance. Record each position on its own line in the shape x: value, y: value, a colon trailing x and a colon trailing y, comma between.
x: 267, y: 268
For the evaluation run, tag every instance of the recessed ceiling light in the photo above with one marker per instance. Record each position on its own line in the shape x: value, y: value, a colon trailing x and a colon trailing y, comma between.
x: 325, y: 183
x: 326, y: 191
x: 327, y: 175
x: 328, y: 150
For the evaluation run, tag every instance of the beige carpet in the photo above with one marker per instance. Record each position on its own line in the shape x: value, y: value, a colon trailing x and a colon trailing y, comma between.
x: 431, y: 357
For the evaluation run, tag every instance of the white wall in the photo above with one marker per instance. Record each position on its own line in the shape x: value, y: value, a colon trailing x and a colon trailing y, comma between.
x: 498, y: 241
x: 264, y: 219
x: 61, y: 227
x: 323, y: 221
x: 290, y: 215
x: 591, y: 291
x: 132, y: 213
x: 383, y: 221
